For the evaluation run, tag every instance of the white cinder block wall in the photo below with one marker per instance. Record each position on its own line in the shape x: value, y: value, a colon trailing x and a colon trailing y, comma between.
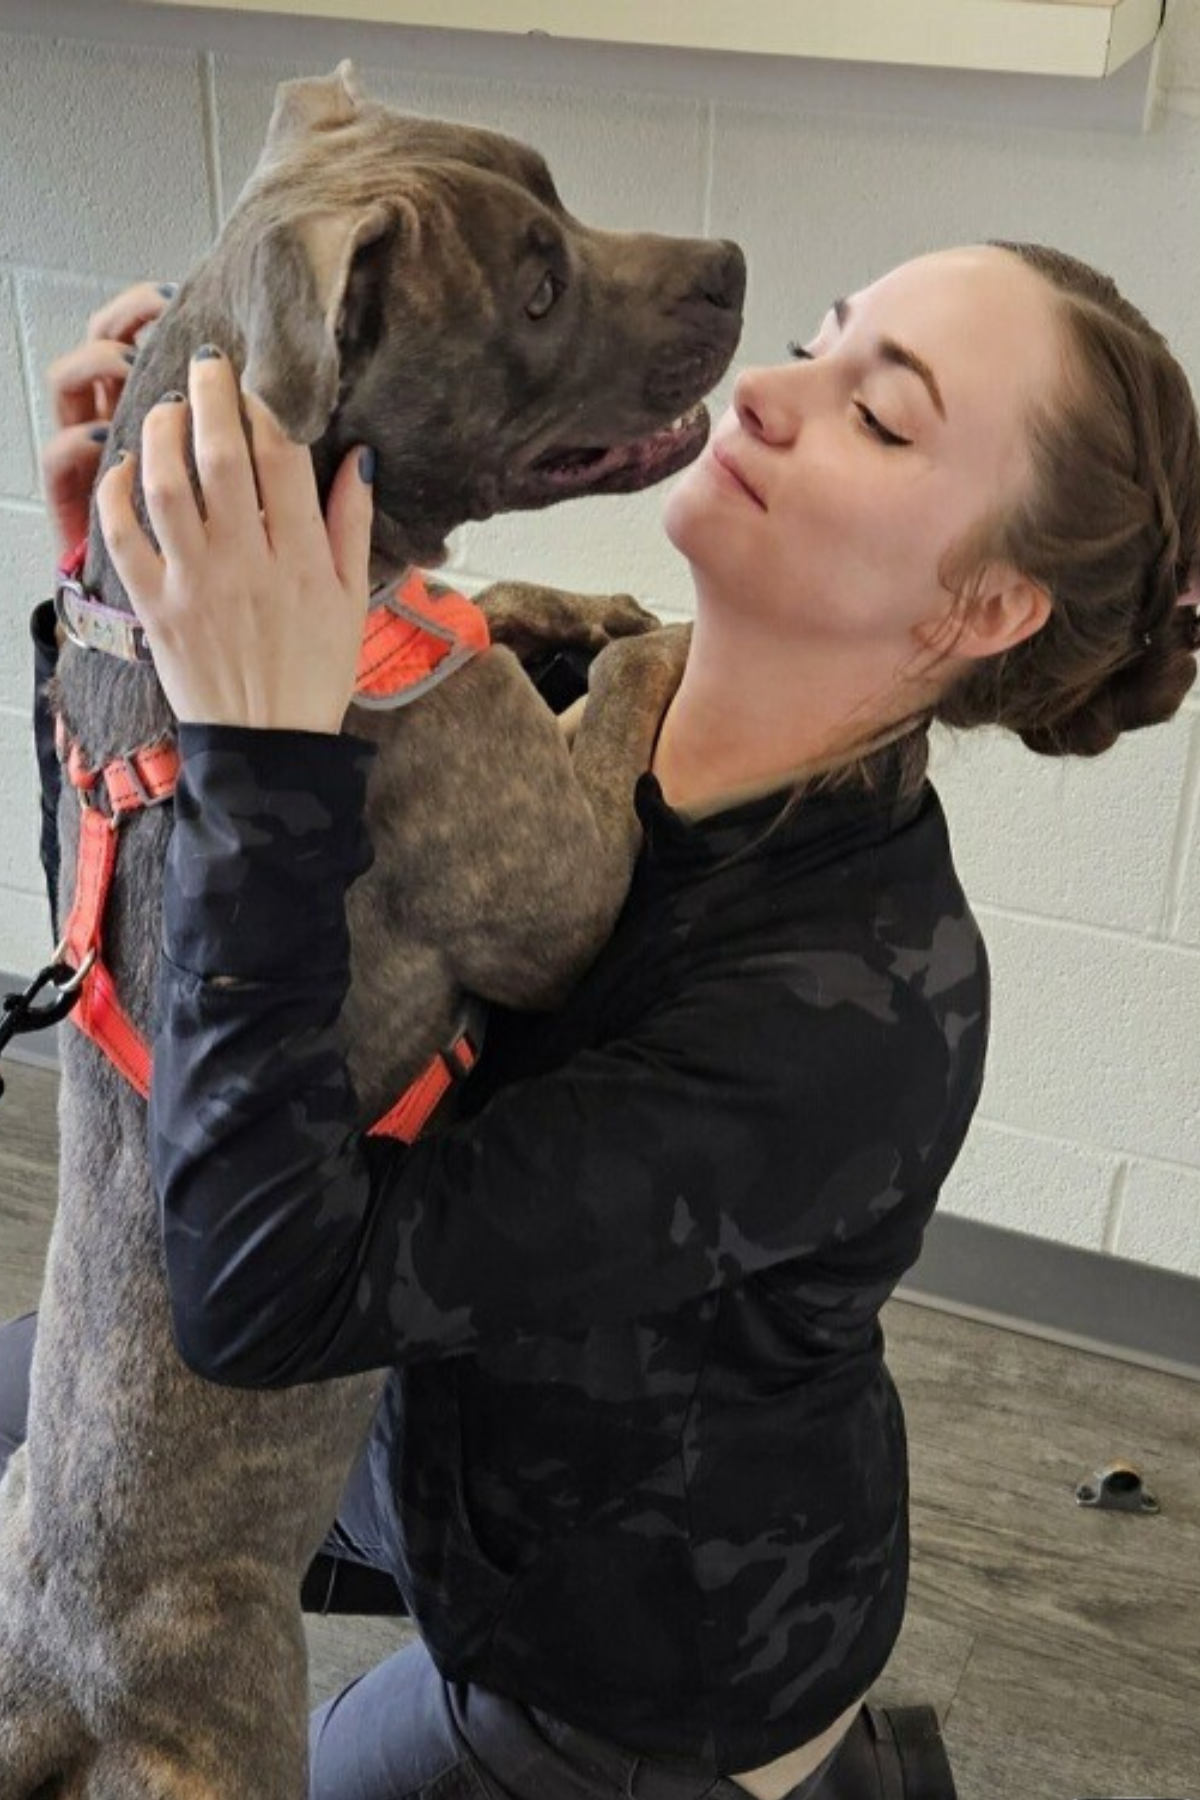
x: 125, y: 133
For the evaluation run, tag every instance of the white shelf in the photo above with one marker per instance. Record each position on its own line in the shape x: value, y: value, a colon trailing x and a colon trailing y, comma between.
x: 1088, y: 38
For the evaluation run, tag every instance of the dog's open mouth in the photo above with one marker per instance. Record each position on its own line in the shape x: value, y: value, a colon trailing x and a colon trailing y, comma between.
x: 614, y: 468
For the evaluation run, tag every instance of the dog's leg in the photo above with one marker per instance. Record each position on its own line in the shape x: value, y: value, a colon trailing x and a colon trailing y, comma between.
x: 42, y: 1738
x: 200, y: 1730
x: 43, y: 1745
x: 527, y: 618
x: 631, y: 685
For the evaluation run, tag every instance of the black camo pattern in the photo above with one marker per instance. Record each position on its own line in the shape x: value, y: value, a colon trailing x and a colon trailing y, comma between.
x: 640, y: 1456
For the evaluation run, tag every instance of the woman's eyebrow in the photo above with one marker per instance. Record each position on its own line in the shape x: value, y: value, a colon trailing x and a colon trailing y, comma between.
x: 892, y: 352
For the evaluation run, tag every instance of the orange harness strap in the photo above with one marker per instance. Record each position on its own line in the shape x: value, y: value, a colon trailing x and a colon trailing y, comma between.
x: 144, y: 778
x: 414, y: 638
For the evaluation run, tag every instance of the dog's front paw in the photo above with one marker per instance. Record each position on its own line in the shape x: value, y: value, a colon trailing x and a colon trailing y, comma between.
x: 531, y: 620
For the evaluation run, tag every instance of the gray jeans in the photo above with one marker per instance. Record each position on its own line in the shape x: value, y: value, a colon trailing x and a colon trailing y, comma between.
x: 401, y: 1731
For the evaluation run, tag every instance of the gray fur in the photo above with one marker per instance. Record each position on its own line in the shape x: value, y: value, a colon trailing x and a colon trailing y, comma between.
x: 154, y: 1530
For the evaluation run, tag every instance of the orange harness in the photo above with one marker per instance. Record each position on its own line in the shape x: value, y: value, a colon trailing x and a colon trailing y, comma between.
x: 416, y: 634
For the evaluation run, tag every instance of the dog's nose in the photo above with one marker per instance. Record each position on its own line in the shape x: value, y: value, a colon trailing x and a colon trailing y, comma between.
x: 721, y: 280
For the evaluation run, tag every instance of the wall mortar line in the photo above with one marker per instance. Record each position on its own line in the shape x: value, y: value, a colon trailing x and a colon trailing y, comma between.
x: 1088, y: 927
x: 1187, y: 826
x: 25, y: 369
x: 1102, y: 1152
x: 211, y: 132
x: 709, y: 121
x: 1116, y: 1208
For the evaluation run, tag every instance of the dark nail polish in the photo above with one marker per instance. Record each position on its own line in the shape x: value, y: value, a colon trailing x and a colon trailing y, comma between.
x: 168, y: 289
x: 99, y: 434
x: 366, y: 465
x: 206, y: 353
x: 168, y: 399
x: 130, y: 356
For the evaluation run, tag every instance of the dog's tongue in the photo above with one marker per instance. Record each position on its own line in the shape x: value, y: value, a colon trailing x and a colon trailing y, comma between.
x: 617, y: 469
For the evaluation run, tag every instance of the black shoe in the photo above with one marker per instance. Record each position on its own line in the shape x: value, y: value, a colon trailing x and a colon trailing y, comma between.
x: 890, y: 1753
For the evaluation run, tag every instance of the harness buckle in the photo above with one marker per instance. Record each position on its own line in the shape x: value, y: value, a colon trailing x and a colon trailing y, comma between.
x: 133, y: 775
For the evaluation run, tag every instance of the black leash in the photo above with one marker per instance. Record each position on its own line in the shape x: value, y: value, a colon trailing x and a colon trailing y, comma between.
x: 19, y: 1013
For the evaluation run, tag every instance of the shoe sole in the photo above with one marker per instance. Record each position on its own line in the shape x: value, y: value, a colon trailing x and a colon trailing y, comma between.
x: 920, y: 1768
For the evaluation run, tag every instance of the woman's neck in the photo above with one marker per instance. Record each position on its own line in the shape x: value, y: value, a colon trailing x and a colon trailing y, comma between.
x: 751, y: 715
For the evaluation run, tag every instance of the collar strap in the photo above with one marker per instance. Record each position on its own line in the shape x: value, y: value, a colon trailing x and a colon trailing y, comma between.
x: 416, y: 633
x: 88, y: 622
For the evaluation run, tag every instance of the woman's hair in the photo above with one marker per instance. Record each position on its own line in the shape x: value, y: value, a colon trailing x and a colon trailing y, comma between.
x: 1109, y: 526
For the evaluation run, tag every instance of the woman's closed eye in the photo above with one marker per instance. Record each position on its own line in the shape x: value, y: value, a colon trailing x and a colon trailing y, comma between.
x: 878, y: 429
x: 874, y: 425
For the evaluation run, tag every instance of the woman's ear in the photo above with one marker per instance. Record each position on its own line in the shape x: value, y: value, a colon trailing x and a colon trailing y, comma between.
x: 1009, y: 607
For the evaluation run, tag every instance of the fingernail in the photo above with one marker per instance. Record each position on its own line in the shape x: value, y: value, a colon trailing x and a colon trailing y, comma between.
x: 168, y: 399
x: 99, y: 434
x: 366, y: 465
x: 130, y: 356
x: 205, y: 353
x: 168, y: 289
x: 121, y: 456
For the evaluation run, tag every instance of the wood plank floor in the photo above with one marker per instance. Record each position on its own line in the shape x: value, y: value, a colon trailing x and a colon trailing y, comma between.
x: 1061, y: 1646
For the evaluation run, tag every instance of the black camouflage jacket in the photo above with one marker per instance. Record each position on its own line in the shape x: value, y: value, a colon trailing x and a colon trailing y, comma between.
x: 647, y: 1466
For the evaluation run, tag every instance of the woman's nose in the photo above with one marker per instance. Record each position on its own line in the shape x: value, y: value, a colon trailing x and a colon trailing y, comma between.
x: 764, y: 407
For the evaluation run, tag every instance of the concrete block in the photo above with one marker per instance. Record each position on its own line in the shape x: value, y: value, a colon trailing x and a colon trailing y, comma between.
x: 1045, y: 1189
x: 1160, y: 1218
x: 1188, y: 926
x: 104, y: 157
x: 1093, y: 1038
x: 25, y: 941
x: 612, y: 544
x: 1180, y: 64
x: 26, y: 576
x: 600, y: 147
x: 825, y: 205
x: 1090, y: 840
x: 54, y: 311
x: 18, y: 471
x: 20, y: 811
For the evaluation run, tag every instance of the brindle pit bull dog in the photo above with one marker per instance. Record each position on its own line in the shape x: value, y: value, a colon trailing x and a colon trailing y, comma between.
x: 419, y: 287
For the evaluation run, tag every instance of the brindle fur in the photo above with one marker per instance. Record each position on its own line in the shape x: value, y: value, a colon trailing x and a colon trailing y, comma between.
x: 154, y: 1531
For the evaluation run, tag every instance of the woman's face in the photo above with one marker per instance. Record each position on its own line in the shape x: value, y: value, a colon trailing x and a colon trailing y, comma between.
x: 827, y: 499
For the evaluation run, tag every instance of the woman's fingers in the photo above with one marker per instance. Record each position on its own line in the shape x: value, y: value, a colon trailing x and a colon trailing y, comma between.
x: 166, y: 485
x: 348, y: 517
x: 81, y: 381
x: 125, y: 314
x: 227, y: 474
x: 134, y: 557
x: 287, y: 482
x: 69, y: 464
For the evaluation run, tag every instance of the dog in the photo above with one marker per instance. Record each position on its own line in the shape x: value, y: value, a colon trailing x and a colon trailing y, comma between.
x: 417, y: 286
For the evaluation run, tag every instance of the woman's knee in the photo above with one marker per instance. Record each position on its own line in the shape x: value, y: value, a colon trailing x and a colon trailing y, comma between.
x: 16, y: 1356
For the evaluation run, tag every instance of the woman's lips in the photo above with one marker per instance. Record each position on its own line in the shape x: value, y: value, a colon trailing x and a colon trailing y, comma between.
x: 724, y: 462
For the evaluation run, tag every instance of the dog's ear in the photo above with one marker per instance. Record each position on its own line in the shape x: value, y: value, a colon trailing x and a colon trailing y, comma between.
x: 316, y: 103
x: 310, y: 294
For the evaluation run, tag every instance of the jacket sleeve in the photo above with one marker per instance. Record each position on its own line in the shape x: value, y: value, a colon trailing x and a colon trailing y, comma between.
x: 741, y: 1124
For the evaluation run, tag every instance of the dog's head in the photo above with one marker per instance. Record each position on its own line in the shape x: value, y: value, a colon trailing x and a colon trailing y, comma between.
x: 419, y: 286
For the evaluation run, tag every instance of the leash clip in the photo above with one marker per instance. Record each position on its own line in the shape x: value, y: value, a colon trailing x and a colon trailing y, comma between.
x: 19, y: 1014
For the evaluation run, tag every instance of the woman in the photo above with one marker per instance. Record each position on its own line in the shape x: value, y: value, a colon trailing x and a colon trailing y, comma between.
x: 640, y: 1472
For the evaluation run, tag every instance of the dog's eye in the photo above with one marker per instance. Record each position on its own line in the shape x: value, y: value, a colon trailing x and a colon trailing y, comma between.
x: 548, y: 290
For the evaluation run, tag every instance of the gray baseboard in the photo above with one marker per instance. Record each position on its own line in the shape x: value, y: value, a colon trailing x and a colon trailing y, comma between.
x: 1084, y: 1298
x: 1128, y: 1310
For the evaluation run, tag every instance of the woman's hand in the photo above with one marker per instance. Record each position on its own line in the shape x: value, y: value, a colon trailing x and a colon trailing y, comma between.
x: 254, y: 608
x: 85, y: 386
